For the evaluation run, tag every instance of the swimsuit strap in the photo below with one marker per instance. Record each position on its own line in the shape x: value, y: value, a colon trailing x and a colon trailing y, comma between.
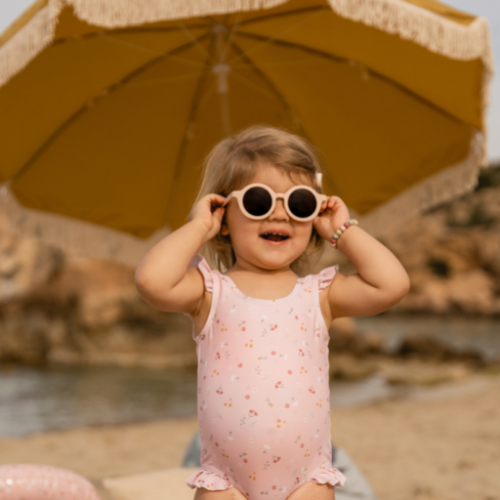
x: 199, y: 262
x: 322, y: 281
x: 212, y: 284
x: 326, y: 276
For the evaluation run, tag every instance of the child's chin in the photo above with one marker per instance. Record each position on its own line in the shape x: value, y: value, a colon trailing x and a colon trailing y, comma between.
x: 277, y: 260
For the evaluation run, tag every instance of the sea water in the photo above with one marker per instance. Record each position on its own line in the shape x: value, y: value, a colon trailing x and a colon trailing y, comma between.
x: 36, y: 400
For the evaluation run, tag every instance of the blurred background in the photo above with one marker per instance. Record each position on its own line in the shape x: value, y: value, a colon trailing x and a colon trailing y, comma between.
x: 80, y: 350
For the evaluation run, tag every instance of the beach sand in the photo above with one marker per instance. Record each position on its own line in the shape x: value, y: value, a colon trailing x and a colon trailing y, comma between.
x: 443, y: 443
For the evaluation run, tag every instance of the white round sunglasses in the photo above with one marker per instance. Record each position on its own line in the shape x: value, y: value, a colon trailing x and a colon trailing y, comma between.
x: 256, y: 201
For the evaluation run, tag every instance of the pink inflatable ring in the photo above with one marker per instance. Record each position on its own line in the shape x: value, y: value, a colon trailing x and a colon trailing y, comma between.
x: 41, y: 482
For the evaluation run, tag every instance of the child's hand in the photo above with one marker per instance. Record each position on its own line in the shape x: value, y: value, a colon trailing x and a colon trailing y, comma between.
x: 333, y: 214
x: 209, y: 212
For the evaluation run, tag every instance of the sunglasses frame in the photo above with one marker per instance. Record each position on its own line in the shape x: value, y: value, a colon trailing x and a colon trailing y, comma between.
x: 320, y: 198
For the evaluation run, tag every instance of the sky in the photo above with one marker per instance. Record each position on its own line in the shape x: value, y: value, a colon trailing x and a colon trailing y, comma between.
x: 10, y: 9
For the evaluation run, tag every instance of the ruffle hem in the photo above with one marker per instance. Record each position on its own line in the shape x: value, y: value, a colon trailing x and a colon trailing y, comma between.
x: 331, y: 476
x: 208, y: 480
x: 325, y: 277
x: 205, y: 270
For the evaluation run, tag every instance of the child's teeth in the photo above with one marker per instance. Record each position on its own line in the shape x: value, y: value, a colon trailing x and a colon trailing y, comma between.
x: 275, y: 236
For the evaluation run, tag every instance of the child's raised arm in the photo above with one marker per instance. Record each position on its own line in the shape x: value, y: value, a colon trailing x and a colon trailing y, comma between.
x: 380, y: 282
x: 163, y: 277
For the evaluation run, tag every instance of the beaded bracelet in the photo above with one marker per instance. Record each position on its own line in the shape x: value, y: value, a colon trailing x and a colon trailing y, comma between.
x: 338, y: 233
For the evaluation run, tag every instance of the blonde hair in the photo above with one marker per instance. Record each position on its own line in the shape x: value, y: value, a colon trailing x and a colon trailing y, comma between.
x: 232, y: 163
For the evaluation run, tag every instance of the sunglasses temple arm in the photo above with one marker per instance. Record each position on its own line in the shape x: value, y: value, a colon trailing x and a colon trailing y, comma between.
x: 228, y: 199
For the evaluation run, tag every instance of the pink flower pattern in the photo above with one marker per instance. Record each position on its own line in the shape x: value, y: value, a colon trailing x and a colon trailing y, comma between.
x: 270, y: 431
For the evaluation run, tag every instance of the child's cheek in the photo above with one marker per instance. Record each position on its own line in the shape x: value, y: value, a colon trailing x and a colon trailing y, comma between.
x: 304, y: 233
x: 243, y: 231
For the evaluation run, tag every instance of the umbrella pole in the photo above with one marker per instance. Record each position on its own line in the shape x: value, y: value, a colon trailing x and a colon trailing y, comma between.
x: 221, y: 69
x: 224, y: 111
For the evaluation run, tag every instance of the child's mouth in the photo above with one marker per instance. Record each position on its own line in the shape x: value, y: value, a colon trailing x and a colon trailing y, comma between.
x: 274, y: 236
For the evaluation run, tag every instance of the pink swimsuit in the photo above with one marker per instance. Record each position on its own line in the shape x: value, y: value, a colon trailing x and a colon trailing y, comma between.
x: 263, y: 390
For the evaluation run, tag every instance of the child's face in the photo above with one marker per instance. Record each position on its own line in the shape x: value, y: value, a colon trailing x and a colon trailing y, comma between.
x: 251, y: 239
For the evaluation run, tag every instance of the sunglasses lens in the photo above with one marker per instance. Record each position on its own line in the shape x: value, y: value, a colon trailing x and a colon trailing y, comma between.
x: 257, y: 201
x: 302, y: 203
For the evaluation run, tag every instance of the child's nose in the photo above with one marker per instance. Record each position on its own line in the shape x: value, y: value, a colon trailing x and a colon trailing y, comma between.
x: 279, y: 212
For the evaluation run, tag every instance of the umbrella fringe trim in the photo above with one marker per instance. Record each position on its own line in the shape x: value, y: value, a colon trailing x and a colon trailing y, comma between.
x: 392, y: 16
x: 410, y: 22
x: 76, y: 236
x: 446, y: 185
x: 432, y: 31
x: 422, y: 27
x: 72, y: 235
x: 26, y: 44
x: 438, y: 34
x: 120, y: 13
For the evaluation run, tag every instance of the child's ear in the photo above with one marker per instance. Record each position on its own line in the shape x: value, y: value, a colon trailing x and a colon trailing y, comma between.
x: 224, y: 230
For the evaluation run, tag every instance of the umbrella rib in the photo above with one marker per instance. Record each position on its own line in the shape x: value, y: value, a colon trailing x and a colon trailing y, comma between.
x: 191, y: 120
x: 331, y: 57
x: 159, y: 59
x: 261, y: 74
x: 195, y: 40
x: 285, y: 14
x: 292, y: 45
x: 91, y: 102
x: 234, y: 25
x: 315, y: 12
x: 122, y: 31
x: 284, y: 101
x: 162, y: 81
x: 178, y: 28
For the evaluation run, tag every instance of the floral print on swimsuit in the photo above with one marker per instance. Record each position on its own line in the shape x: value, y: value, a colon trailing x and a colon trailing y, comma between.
x: 263, y: 390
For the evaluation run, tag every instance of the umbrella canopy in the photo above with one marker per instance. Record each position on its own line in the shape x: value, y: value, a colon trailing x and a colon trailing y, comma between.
x: 108, y: 108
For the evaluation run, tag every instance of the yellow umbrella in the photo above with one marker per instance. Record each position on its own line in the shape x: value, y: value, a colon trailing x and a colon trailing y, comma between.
x: 107, y: 108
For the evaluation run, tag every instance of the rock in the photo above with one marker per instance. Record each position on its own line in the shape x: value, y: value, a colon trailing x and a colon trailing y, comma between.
x: 418, y: 372
x: 345, y: 338
x: 348, y: 367
x: 80, y: 311
x: 398, y: 371
x: 25, y: 265
x: 451, y: 253
x: 454, y: 263
x: 427, y: 348
x: 62, y: 309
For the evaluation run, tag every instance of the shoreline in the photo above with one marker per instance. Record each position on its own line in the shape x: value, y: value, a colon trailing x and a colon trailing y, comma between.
x: 64, y: 398
x: 441, y: 444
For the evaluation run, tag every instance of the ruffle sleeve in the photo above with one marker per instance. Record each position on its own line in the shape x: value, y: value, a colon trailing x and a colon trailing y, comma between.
x: 325, y: 277
x: 205, y: 270
x: 331, y: 476
x: 207, y: 480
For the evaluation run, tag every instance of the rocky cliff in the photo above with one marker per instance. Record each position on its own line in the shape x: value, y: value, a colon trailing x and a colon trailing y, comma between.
x: 452, y: 254
x: 59, y: 308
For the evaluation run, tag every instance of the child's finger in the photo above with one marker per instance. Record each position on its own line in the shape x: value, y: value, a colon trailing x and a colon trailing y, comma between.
x: 332, y: 202
x: 213, y: 197
x: 337, y: 200
x: 327, y: 205
x: 218, y: 198
x: 215, y: 201
x: 219, y: 213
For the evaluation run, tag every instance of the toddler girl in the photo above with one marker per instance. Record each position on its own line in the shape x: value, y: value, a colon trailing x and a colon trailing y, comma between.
x: 261, y: 332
